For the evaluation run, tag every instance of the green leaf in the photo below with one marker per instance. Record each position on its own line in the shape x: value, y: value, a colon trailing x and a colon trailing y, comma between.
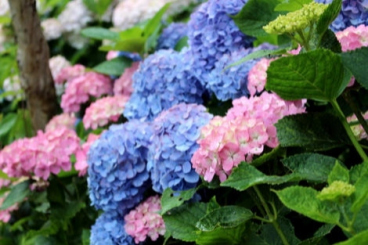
x: 55, y: 191
x: 155, y: 22
x: 316, y: 75
x: 254, y: 15
x: 221, y: 236
x: 270, y: 235
x: 258, y: 54
x: 85, y: 237
x: 181, y: 221
x: 357, y: 171
x: 310, y: 166
x: 182, y: 43
x: 361, y: 193
x: 313, y: 131
x: 16, y: 194
x: 359, y: 239
x: 7, y: 123
x: 224, y: 217
x: 100, y: 33
x: 318, y: 235
x: 329, y: 41
x: 245, y: 176
x: 329, y: 15
x: 266, y: 157
x: 304, y: 200
x: 113, y: 67
x: 291, y: 5
x: 356, y: 62
x: 338, y: 173
x: 171, y: 199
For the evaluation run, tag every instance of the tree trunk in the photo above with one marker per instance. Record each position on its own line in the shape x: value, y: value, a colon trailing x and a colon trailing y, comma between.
x: 33, y: 62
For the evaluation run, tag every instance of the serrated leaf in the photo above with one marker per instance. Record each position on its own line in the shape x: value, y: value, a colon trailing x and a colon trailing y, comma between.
x: 17, y: 194
x: 313, y: 131
x: 7, y: 123
x: 356, y: 62
x: 329, y: 15
x: 357, y: 171
x: 359, y: 239
x: 254, y: 15
x: 113, y: 67
x: 180, y: 222
x: 329, y: 41
x: 291, y: 5
x: 338, y: 173
x: 100, y: 33
x: 361, y: 193
x: 310, y: 166
x: 318, y: 235
x: 304, y: 201
x: 224, y: 217
x: 171, y: 199
x: 245, y: 176
x: 265, y: 157
x: 271, y: 237
x: 220, y: 236
x: 316, y: 75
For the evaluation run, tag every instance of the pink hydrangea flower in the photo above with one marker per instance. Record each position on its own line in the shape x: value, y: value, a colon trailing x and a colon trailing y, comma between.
x: 81, y: 88
x: 145, y: 221
x: 112, y: 55
x: 249, y: 126
x: 257, y: 76
x: 69, y: 73
x: 353, y: 37
x: 62, y: 120
x: 5, y: 215
x: 41, y: 155
x: 124, y: 84
x: 104, y: 110
x: 81, y: 155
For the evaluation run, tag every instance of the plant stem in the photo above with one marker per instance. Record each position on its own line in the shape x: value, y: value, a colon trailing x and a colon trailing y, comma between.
x: 355, y: 109
x: 272, y: 217
x: 342, y: 118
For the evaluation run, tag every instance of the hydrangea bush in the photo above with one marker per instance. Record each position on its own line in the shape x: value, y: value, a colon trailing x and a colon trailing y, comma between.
x: 190, y: 122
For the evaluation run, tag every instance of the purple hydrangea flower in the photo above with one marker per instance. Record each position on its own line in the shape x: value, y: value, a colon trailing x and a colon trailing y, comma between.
x: 175, y: 132
x: 171, y: 35
x: 353, y: 13
x: 232, y: 83
x: 212, y: 33
x: 109, y: 230
x: 117, y: 167
x: 163, y: 79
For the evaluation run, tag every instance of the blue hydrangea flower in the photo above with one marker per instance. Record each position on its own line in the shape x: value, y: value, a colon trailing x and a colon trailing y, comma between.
x: 163, y: 79
x: 117, y: 175
x: 171, y: 35
x: 133, y: 56
x: 109, y: 230
x: 212, y: 33
x: 353, y: 13
x: 175, y: 133
x: 232, y: 83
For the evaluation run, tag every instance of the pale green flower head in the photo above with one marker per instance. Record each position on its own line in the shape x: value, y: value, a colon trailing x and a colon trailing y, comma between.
x: 336, y: 190
x: 297, y: 20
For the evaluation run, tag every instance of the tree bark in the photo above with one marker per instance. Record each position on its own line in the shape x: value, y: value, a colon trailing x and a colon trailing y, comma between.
x: 33, y: 62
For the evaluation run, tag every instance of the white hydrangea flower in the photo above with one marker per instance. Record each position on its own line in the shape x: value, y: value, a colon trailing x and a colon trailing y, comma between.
x: 57, y: 63
x: 52, y: 28
x: 76, y: 40
x: 12, y: 84
x: 4, y: 7
x: 75, y: 16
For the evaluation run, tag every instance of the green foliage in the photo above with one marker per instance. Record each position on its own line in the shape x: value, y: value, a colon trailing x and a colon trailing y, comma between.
x: 316, y: 75
x: 98, y: 7
x: 7, y: 123
x: 355, y: 61
x: 171, y: 199
x: 113, y: 67
x: 328, y: 16
x: 17, y: 194
x: 338, y: 173
x: 291, y: 5
x: 100, y: 33
x: 361, y: 238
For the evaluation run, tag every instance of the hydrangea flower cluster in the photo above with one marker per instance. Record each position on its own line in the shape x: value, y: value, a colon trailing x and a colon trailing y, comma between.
x: 163, y: 79
x: 63, y: 120
x: 75, y: 16
x: 109, y: 230
x: 242, y: 133
x: 353, y: 13
x: 68, y: 73
x: 12, y: 85
x: 81, y: 164
x: 124, y: 84
x: 231, y: 83
x: 81, y: 88
x: 171, y: 35
x: 353, y: 37
x: 4, y: 7
x: 212, y: 33
x: 43, y: 154
x: 57, y: 64
x: 103, y: 111
x: 175, y: 132
x: 117, y: 174
x: 336, y: 190
x: 145, y: 221
x: 257, y: 76
x: 52, y: 28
